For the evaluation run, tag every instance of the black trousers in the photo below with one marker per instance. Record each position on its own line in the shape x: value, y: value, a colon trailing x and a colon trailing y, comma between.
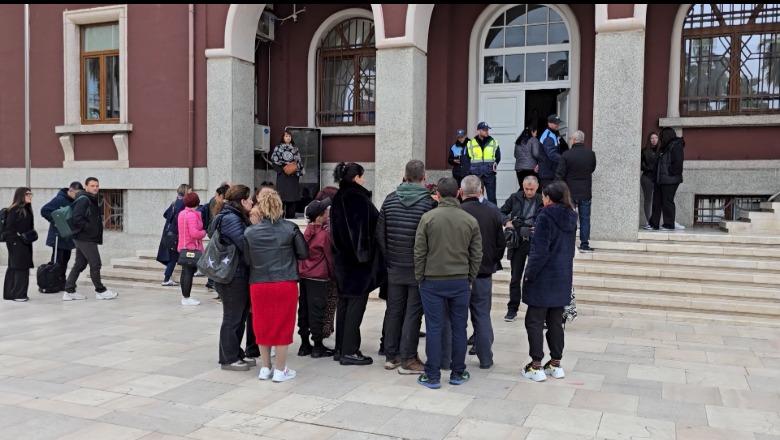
x: 312, y: 301
x: 544, y: 182
x: 349, y: 316
x: 87, y: 253
x: 62, y: 258
x: 535, y: 318
x: 235, y: 312
x: 16, y: 283
x: 647, y: 195
x: 522, y: 174
x: 403, y: 319
x: 185, y: 280
x: 517, y: 260
x: 663, y: 202
x: 289, y: 209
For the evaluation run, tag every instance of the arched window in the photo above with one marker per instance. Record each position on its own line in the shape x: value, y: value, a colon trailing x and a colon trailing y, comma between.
x: 527, y: 43
x: 730, y: 60
x: 346, y: 74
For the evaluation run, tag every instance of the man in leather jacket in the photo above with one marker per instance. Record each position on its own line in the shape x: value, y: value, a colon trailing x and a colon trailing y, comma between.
x: 519, y: 212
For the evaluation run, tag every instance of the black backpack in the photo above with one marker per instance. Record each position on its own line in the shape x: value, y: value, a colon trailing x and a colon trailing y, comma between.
x: 3, y: 217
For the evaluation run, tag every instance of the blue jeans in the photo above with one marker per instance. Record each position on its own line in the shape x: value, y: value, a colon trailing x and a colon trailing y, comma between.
x: 171, y: 265
x: 480, y: 304
x: 583, y: 209
x: 435, y: 295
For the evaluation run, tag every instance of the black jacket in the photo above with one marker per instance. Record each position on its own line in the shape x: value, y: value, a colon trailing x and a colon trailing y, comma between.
x: 396, y: 229
x: 670, y: 162
x: 650, y: 163
x: 87, y: 218
x: 549, y: 272
x: 232, y: 225
x: 576, y: 168
x: 359, y: 266
x: 171, y: 216
x: 492, y: 231
x: 59, y: 201
x: 272, y: 251
x: 19, y: 221
x: 522, y: 211
x: 459, y: 151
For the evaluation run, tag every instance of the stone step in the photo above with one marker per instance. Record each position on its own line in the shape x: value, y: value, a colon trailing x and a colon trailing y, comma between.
x: 762, y: 279
x: 708, y: 237
x: 771, y: 206
x: 658, y: 259
x: 669, y: 302
x: 693, y: 248
x: 586, y: 308
x: 764, y: 216
x: 148, y: 276
x: 606, y: 283
x: 751, y: 227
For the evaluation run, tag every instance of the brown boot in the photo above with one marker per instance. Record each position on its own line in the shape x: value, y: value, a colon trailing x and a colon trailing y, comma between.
x: 412, y: 366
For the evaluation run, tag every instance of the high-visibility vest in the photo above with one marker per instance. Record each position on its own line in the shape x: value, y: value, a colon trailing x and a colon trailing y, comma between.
x: 479, y: 154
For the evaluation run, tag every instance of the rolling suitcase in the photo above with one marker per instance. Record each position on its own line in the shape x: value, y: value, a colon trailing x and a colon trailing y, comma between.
x: 50, y: 276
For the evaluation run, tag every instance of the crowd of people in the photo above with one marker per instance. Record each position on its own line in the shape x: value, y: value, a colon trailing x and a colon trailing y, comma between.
x: 430, y: 251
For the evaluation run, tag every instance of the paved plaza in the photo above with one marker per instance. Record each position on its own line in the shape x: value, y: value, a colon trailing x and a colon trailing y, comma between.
x: 144, y: 367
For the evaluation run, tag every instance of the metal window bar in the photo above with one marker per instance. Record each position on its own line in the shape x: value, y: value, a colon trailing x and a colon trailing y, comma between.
x: 113, y: 209
x: 711, y: 210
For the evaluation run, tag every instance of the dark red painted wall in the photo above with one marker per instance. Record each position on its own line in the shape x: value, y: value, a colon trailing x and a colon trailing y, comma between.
x: 700, y: 143
x: 12, y: 86
x: 348, y: 148
x: 620, y: 10
x: 448, y: 53
x: 395, y: 19
x: 94, y: 147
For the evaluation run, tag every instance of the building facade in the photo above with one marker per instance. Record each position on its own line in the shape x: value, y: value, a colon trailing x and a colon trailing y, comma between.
x: 146, y: 97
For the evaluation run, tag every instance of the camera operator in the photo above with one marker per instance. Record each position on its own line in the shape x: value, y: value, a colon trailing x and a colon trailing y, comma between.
x: 519, y: 212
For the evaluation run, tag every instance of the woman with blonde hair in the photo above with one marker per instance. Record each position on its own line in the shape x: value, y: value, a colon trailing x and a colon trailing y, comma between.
x: 273, y: 246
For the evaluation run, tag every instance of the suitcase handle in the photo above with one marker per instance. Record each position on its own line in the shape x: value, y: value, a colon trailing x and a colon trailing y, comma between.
x: 56, y: 246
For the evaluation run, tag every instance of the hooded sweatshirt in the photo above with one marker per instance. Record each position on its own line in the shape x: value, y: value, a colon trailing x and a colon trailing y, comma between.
x: 319, y: 264
x: 396, y: 228
x: 549, y: 271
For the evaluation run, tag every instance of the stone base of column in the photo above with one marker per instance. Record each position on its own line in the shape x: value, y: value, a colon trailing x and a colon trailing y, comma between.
x: 617, y: 134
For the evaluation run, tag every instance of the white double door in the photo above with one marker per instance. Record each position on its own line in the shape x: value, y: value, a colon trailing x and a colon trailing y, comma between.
x: 504, y: 111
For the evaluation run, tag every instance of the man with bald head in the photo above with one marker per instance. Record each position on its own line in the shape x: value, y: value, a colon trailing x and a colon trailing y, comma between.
x: 519, y: 213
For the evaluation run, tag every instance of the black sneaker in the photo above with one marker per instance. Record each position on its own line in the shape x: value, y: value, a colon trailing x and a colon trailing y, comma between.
x: 486, y: 366
x: 305, y: 350
x: 356, y: 359
x: 510, y: 316
x: 428, y: 383
x: 586, y: 248
x: 321, y: 351
x: 470, y: 340
x: 336, y: 355
x: 473, y: 350
x: 459, y: 379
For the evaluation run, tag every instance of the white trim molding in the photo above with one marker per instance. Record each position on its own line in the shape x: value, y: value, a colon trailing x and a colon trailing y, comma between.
x: 475, y: 52
x: 673, y: 104
x: 71, y: 20
x: 311, y: 79
x: 357, y: 130
x: 240, y: 32
x: 720, y: 121
x: 606, y: 24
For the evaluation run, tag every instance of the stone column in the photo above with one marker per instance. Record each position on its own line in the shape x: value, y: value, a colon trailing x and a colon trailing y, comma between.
x: 617, y: 134
x: 230, y: 121
x: 400, y: 115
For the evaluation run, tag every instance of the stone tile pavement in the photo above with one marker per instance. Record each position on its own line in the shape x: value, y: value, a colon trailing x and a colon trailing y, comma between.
x: 144, y: 367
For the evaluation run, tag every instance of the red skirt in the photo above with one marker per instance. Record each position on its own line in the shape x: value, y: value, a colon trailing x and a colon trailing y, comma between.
x: 273, y: 312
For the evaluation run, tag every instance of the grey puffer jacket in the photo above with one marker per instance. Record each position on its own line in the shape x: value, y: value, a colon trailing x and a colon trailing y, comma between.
x: 273, y: 250
x: 527, y: 154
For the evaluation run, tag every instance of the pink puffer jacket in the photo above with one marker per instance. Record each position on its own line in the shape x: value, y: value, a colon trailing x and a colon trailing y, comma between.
x: 191, y: 230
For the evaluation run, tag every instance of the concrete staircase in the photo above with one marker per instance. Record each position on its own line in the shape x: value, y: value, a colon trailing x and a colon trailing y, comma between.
x: 765, y: 221
x: 695, y: 276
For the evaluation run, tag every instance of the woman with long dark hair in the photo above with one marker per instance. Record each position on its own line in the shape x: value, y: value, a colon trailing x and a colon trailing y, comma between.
x: 289, y: 168
x: 359, y: 268
x: 527, y: 148
x: 19, y: 233
x: 231, y: 222
x: 669, y: 176
x: 548, y: 280
x: 649, y: 171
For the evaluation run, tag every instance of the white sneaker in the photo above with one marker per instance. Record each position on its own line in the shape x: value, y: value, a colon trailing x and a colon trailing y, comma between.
x: 72, y: 296
x: 265, y: 374
x: 169, y: 283
x: 555, y: 372
x: 283, y: 375
x: 106, y: 295
x: 189, y: 301
x: 536, y: 375
x: 678, y: 226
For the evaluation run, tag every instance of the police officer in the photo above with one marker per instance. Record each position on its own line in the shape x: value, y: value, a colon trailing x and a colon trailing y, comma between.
x: 458, y: 157
x: 520, y: 212
x: 484, y: 155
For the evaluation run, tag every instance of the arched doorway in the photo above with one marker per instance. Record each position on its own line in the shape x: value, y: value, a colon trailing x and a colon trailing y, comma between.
x: 524, y: 68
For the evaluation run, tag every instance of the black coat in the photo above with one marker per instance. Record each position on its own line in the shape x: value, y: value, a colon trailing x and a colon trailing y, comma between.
x: 232, y: 225
x: 650, y: 163
x: 20, y: 253
x: 550, y: 268
x: 670, y: 162
x: 521, y: 211
x: 359, y: 266
x: 87, y: 218
x: 59, y: 201
x: 576, y: 168
x: 396, y: 229
x: 492, y: 232
x: 171, y: 216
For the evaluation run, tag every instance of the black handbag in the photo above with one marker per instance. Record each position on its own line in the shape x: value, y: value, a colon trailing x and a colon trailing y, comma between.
x: 189, y: 257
